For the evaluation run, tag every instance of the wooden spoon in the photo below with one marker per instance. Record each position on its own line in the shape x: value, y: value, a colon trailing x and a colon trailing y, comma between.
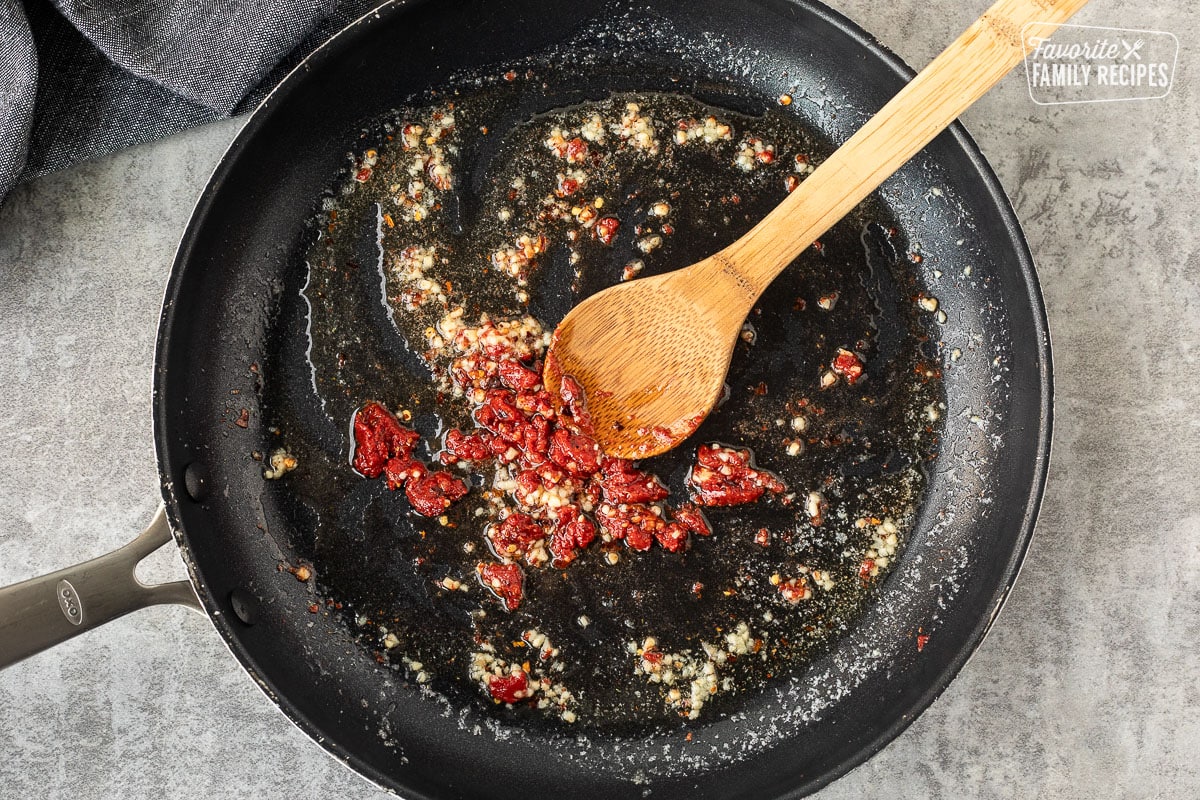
x: 650, y: 356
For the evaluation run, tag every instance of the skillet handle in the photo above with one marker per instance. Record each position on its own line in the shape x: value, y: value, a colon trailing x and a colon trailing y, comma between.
x: 42, y: 612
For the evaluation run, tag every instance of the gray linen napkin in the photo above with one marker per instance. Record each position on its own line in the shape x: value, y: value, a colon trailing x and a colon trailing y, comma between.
x: 82, y: 78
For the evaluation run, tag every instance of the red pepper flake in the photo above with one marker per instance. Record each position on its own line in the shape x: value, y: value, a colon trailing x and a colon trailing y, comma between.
x: 566, y: 186
x: 509, y: 688
x: 362, y: 175
x: 510, y: 76
x: 577, y: 151
x: 605, y: 229
x: 866, y: 568
x: 922, y: 640
x: 313, y: 608
x: 505, y: 581
x: 795, y: 590
x: 791, y: 182
x: 243, y: 420
x: 848, y: 365
x: 763, y: 537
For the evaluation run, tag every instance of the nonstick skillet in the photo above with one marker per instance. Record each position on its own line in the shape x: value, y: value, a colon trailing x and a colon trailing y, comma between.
x: 241, y: 257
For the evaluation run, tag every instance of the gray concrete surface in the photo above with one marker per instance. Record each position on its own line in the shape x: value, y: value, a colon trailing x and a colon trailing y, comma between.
x: 1086, y: 687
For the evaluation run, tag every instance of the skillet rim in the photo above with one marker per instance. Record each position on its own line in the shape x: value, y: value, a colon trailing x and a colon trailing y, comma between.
x: 992, y: 191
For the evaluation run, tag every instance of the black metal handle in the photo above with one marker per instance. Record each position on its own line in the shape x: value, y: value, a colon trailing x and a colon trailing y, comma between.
x: 42, y: 612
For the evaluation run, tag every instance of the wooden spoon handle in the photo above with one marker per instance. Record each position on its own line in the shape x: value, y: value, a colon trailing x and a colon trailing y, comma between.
x: 964, y: 71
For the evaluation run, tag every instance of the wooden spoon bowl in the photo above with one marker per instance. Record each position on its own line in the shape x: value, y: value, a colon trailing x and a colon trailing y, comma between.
x: 650, y: 356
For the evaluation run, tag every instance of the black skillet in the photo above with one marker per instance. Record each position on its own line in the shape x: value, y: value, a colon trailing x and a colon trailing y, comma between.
x: 240, y: 255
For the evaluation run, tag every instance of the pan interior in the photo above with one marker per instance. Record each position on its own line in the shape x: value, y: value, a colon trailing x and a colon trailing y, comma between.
x: 227, y: 321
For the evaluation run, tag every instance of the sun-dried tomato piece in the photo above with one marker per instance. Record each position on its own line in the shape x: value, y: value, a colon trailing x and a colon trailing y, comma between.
x: 514, y: 535
x: 473, y: 446
x: 432, y: 494
x: 605, y: 229
x: 639, y: 526
x: 848, y: 365
x: 498, y: 413
x: 577, y: 453
x: 723, y: 476
x: 572, y: 532
x: 572, y: 396
x: 624, y: 484
x: 671, y: 536
x: 399, y: 470
x: 535, y: 402
x: 535, y: 438
x: 693, y: 519
x: 516, y: 376
x: 506, y: 581
x: 511, y: 688
x: 378, y: 436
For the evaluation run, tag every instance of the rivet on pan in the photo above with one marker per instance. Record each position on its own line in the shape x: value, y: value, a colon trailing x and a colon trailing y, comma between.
x: 244, y: 606
x: 195, y: 481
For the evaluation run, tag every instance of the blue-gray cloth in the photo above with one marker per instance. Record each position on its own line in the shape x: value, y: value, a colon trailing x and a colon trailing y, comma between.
x: 82, y: 78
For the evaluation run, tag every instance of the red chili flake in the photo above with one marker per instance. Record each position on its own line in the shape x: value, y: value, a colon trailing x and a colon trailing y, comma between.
x: 432, y: 494
x: 723, y: 476
x: 697, y: 588
x: 362, y: 175
x: 922, y: 640
x: 243, y: 420
x: 668, y: 229
x: 763, y: 537
x: 577, y: 151
x: 605, y: 229
x: 515, y: 535
x: 506, y: 581
x: 566, y: 186
x: 864, y: 569
x: 848, y: 365
x: 795, y: 590
x: 313, y: 608
x: 510, y: 76
x: 790, y: 183
x: 509, y: 688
